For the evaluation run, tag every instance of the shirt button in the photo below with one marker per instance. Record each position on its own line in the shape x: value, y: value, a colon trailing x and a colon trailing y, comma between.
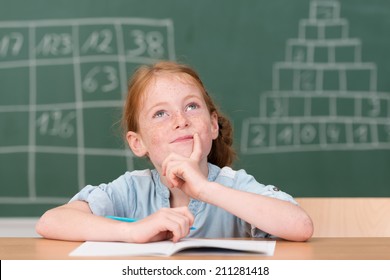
x: 275, y: 189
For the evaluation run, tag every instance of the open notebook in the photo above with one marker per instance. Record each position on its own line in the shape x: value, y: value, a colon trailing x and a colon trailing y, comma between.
x: 169, y: 248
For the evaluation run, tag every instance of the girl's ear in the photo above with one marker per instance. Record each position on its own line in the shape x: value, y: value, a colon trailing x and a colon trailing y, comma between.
x: 135, y: 143
x: 214, y: 125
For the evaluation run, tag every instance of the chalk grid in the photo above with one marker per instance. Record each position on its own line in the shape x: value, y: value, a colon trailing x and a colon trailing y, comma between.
x: 62, y: 85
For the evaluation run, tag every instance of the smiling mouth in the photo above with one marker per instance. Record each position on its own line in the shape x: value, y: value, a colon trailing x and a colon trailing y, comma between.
x: 183, y: 139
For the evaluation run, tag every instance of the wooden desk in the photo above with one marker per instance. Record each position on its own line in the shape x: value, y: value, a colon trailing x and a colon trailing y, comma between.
x: 315, y: 249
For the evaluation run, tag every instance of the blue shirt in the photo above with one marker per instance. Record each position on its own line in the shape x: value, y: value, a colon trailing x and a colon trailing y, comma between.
x: 138, y: 194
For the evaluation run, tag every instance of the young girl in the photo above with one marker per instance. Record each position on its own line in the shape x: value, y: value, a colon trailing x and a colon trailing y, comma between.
x: 170, y: 119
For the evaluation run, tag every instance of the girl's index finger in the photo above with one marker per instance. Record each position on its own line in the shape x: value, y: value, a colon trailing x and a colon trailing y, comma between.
x: 196, y: 148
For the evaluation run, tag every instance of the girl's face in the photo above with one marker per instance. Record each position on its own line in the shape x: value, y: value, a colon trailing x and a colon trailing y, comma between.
x: 172, y: 111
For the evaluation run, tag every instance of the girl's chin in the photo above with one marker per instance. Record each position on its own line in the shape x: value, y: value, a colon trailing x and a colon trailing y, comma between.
x: 185, y: 153
x: 183, y: 150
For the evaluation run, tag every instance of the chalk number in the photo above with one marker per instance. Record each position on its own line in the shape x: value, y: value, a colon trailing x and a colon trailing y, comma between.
x: 56, y: 123
x: 150, y: 43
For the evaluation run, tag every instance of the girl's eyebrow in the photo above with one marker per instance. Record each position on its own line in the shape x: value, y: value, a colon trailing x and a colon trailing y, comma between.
x: 153, y: 108
x: 193, y: 96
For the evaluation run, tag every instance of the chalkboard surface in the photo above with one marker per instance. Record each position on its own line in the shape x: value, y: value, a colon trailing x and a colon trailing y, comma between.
x: 306, y: 84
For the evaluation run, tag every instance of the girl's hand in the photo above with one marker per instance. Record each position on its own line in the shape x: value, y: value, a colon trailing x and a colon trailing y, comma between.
x: 166, y: 223
x: 185, y: 173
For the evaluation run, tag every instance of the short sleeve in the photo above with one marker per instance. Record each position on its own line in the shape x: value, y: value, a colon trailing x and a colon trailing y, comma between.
x: 108, y: 199
x: 248, y: 183
x: 97, y: 198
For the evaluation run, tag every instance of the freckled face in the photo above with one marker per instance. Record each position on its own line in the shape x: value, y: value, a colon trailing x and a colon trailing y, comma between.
x: 173, y: 110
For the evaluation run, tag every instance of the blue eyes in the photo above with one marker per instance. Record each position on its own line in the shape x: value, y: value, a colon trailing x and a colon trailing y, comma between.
x: 159, y: 114
x: 192, y: 106
x: 162, y: 113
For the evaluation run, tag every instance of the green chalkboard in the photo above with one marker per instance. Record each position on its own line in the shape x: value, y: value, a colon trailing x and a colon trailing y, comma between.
x: 306, y: 84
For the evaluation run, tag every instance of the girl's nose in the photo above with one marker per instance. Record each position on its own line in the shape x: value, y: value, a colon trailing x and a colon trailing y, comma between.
x: 181, y: 121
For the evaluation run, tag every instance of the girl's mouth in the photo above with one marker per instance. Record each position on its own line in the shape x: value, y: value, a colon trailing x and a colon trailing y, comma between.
x: 183, y: 139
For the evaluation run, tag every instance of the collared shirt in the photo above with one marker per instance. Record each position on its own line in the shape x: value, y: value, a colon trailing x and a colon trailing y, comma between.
x: 138, y: 194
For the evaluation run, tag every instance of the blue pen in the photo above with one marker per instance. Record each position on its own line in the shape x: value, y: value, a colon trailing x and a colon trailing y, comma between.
x: 131, y: 220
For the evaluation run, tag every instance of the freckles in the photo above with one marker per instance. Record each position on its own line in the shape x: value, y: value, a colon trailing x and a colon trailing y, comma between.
x: 155, y: 140
x: 156, y: 135
x: 204, y: 124
x: 147, y: 134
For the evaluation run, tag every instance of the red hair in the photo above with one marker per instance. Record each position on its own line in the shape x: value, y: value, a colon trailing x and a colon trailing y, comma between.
x: 222, y: 152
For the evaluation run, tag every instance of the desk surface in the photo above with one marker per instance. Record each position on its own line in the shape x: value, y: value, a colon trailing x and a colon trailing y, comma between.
x: 315, y: 249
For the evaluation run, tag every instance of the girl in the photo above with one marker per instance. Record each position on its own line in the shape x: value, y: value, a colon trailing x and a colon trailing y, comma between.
x: 170, y: 119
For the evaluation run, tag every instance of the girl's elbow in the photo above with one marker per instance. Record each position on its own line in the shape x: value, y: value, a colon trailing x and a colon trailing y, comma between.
x: 42, y: 227
x: 306, y: 229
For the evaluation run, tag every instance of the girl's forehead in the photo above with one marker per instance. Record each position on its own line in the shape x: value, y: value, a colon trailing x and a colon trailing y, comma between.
x: 174, y: 78
x: 169, y: 81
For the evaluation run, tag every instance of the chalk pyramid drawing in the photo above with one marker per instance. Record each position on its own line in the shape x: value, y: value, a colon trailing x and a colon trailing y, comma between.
x: 323, y: 96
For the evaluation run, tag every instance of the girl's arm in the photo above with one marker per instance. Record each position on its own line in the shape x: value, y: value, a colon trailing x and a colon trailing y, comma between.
x: 272, y: 215
x: 76, y: 222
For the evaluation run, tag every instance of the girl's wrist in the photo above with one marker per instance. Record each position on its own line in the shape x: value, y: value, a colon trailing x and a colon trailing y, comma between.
x: 125, y: 232
x: 208, y: 191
